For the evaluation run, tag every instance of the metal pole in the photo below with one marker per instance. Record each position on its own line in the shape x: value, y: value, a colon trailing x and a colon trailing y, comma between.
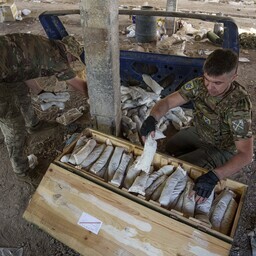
x: 177, y: 15
x: 171, y: 6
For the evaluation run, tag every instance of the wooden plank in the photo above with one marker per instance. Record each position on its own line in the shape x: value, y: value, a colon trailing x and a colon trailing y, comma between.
x: 128, y: 228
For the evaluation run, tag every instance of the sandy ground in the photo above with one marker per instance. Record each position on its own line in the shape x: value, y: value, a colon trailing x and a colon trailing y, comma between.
x: 15, y: 232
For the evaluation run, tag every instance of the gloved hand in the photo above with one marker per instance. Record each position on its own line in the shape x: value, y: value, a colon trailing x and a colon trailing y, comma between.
x: 205, y: 184
x: 148, y: 126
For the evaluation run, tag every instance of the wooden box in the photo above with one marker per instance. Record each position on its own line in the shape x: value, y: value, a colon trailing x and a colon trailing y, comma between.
x: 127, y: 224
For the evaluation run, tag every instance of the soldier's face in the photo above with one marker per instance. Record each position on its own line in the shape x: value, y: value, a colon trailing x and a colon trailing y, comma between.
x: 219, y: 85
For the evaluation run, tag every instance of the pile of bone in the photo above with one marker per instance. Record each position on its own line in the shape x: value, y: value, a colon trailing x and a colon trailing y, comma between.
x: 136, y: 104
x: 170, y: 186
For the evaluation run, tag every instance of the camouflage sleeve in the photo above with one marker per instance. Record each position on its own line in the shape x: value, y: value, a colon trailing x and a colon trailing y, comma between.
x: 240, y: 119
x: 66, y: 75
x: 190, y: 90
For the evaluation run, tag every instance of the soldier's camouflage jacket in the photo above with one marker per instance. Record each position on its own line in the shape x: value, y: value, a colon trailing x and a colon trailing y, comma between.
x: 220, y: 120
x: 26, y: 56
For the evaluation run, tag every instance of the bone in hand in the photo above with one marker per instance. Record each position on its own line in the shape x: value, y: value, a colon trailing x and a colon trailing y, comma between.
x: 102, y: 161
x: 147, y: 155
x: 169, y: 189
x: 115, y: 161
x: 95, y: 154
x: 120, y: 172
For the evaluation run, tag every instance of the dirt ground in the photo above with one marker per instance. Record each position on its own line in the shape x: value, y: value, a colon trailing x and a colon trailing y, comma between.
x: 15, y: 232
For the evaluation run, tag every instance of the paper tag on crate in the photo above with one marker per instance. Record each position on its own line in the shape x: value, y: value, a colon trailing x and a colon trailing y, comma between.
x: 90, y: 223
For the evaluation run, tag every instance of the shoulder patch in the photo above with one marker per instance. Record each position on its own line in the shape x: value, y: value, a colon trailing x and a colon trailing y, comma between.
x: 189, y: 86
x: 207, y: 120
x: 238, y: 125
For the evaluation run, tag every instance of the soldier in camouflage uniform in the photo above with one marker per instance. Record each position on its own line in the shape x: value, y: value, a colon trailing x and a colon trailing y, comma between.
x: 25, y: 57
x: 221, y: 138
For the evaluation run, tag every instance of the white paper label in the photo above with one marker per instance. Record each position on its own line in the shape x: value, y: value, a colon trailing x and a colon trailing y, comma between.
x: 90, y: 223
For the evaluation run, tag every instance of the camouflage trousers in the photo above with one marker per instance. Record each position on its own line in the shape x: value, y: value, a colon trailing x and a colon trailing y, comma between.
x: 16, y: 112
x: 187, y: 146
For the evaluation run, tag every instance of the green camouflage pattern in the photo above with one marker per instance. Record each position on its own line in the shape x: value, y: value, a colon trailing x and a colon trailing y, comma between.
x: 72, y: 46
x: 27, y: 56
x: 188, y: 146
x: 220, y: 121
x: 16, y: 111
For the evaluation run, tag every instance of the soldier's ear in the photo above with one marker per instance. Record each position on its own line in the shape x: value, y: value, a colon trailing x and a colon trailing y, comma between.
x: 235, y: 76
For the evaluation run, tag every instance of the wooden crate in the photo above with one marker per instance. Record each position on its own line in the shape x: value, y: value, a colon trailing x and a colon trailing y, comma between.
x: 130, y: 224
x: 8, y: 11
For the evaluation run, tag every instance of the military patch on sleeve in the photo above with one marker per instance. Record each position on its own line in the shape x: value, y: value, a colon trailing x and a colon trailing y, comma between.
x: 188, y: 86
x: 239, y: 126
x: 207, y: 120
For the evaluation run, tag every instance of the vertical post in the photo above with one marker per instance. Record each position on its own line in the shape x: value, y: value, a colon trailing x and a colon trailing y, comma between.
x: 171, y: 6
x: 99, y: 20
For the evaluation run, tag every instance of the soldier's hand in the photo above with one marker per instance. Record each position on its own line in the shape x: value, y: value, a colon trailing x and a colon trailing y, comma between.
x: 148, y: 127
x: 204, y: 186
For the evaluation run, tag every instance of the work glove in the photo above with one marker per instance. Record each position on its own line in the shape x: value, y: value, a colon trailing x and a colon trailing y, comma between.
x: 148, y: 126
x: 205, y: 184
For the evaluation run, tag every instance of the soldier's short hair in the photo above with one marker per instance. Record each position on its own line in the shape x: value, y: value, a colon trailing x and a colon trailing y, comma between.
x: 220, y: 61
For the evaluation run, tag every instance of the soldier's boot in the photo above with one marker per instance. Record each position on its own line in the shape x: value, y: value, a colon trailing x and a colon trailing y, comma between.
x: 31, y: 176
x: 32, y: 163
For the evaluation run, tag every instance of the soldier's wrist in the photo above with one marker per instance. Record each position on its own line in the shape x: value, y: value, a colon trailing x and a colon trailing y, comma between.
x: 216, y: 174
x: 152, y: 118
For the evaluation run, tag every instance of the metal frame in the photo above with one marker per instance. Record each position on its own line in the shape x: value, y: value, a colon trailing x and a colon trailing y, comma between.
x: 172, y: 69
